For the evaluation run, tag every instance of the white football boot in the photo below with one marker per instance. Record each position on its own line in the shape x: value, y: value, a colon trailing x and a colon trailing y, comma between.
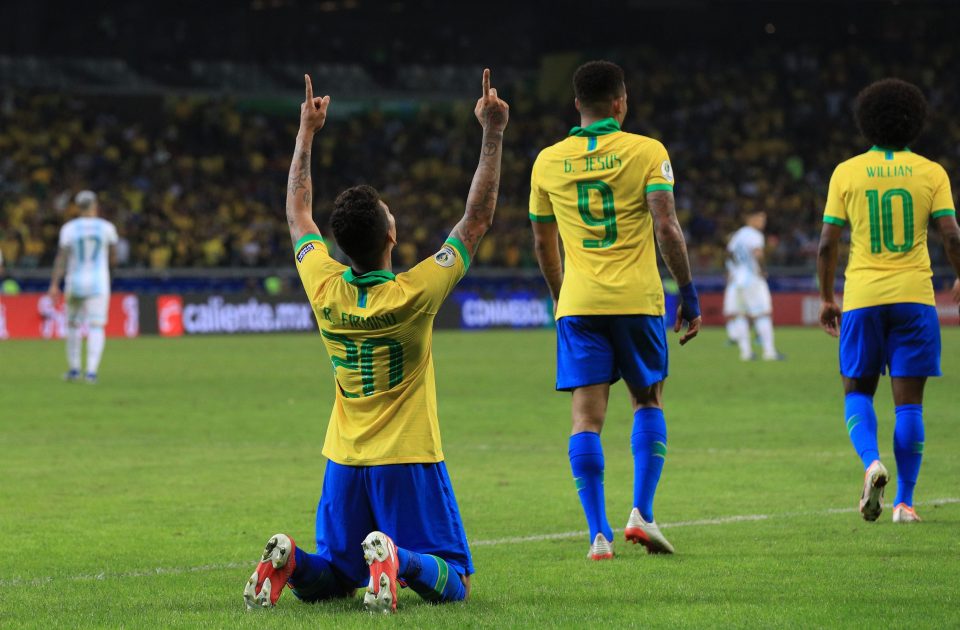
x: 601, y: 549
x: 647, y: 534
x: 380, y: 554
x: 277, y: 563
x: 903, y: 513
x: 871, y: 499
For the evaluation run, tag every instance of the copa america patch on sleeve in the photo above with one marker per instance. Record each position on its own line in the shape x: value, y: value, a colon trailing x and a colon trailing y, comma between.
x: 667, y: 170
x: 446, y: 256
x: 303, y: 252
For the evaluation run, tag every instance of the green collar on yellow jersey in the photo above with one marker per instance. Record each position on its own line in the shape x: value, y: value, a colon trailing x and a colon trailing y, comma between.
x: 369, y: 279
x: 599, y: 128
x: 887, y: 149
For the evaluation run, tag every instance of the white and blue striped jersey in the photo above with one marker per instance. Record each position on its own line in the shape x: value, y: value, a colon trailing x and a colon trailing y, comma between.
x: 742, y: 263
x: 87, y: 241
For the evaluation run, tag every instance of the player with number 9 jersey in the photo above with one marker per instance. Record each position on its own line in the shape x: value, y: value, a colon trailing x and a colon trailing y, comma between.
x: 593, y: 184
x: 604, y: 193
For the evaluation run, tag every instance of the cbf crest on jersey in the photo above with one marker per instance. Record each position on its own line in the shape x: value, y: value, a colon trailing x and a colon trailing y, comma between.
x: 445, y: 257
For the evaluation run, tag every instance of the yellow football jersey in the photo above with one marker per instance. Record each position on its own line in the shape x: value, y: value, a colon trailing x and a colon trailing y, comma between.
x: 594, y: 185
x: 378, y: 331
x: 888, y: 198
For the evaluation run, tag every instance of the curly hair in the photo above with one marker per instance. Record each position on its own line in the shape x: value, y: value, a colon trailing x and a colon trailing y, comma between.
x: 890, y: 113
x: 360, y: 225
x: 598, y: 83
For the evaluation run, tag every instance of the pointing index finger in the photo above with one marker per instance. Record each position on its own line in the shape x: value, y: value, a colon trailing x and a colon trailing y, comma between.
x: 486, y: 82
x: 309, y: 86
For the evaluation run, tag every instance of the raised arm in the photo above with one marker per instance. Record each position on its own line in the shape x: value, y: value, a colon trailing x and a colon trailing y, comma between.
x: 493, y: 113
x: 313, y: 115
x: 673, y: 249
x: 826, y: 273
x: 951, y: 243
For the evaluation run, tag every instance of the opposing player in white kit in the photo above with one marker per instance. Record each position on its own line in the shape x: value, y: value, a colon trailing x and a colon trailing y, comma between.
x: 86, y: 246
x: 747, y: 297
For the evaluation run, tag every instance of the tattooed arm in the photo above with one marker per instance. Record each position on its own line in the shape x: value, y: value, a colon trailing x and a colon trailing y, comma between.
x: 493, y: 113
x: 313, y: 115
x: 673, y: 249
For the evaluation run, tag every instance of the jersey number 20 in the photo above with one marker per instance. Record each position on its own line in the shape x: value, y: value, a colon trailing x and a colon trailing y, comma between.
x: 362, y: 359
x: 609, y: 219
x: 881, y: 220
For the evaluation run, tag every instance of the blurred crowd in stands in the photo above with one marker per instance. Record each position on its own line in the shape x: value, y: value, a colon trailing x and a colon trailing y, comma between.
x: 195, y: 181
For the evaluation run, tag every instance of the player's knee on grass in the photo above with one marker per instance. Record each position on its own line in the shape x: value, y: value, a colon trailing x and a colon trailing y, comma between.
x: 322, y: 590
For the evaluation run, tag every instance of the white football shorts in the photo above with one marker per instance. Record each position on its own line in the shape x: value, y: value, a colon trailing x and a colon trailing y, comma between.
x: 91, y: 311
x: 750, y: 300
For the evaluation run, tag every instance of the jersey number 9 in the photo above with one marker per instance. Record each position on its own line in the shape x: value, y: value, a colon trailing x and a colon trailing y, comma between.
x: 609, y: 219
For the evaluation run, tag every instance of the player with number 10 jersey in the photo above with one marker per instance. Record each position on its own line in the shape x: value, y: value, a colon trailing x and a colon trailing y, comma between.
x: 888, y: 197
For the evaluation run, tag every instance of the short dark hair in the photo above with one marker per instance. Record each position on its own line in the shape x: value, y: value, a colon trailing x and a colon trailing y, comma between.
x: 598, y: 83
x: 890, y: 113
x: 360, y: 225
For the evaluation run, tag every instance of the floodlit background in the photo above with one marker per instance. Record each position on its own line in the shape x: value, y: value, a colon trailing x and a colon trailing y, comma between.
x: 144, y: 500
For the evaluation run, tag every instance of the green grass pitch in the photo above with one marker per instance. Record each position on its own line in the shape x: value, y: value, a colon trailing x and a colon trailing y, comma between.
x: 144, y: 501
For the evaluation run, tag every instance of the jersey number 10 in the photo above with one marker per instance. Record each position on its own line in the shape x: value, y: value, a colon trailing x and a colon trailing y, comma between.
x: 881, y: 220
x: 609, y: 219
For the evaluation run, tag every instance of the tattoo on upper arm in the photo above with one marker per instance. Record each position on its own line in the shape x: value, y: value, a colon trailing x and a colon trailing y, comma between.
x: 661, y: 205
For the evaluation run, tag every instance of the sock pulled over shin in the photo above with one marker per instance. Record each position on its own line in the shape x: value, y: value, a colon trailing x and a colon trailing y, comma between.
x: 649, y: 445
x: 586, y: 462
x: 96, y: 339
x: 764, y: 326
x: 908, y: 436
x: 862, y: 426
x: 74, y: 345
x: 431, y: 577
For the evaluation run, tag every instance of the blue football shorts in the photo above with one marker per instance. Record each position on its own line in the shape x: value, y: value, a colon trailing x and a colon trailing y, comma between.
x: 902, y: 337
x: 411, y: 503
x: 593, y: 349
